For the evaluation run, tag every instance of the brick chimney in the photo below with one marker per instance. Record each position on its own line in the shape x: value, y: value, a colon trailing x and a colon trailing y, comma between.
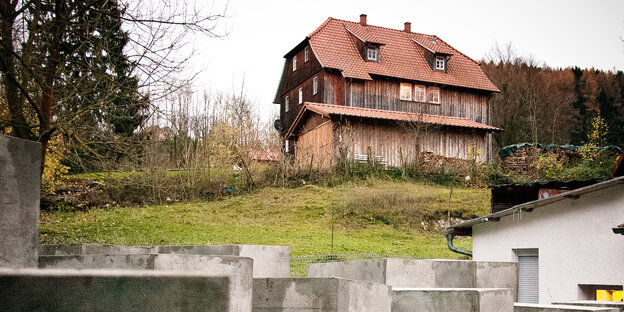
x: 408, y: 27
x: 363, y: 19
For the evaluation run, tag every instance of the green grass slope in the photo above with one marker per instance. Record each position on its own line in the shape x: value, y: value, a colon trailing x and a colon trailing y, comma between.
x: 377, y: 216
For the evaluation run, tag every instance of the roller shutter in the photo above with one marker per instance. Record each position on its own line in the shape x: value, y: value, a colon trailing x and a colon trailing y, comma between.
x: 528, y: 279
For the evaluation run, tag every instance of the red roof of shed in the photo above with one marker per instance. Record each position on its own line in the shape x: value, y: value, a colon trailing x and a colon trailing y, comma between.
x: 330, y: 109
x: 401, y: 55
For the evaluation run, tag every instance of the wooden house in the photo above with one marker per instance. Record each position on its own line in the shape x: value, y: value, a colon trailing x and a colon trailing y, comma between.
x: 359, y: 91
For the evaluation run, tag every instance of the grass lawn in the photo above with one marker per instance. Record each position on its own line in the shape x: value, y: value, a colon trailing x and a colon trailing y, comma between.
x: 377, y: 216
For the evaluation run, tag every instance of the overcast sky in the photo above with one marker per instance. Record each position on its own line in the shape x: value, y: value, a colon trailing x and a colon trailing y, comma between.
x: 558, y: 33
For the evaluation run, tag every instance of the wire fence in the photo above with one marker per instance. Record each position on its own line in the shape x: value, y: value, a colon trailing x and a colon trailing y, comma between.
x: 298, y: 264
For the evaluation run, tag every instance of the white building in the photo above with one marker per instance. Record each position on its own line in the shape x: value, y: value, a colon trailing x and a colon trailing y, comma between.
x: 566, y: 244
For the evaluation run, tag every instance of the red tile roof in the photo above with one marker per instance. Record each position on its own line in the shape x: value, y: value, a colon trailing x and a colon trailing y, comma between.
x: 401, y: 55
x: 330, y: 109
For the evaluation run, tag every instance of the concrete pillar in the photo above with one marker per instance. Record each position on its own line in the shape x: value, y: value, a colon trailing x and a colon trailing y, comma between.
x: 19, y: 202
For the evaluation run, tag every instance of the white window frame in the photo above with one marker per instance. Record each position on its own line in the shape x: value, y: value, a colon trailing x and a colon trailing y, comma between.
x: 306, y: 57
x: 315, y: 85
x: 430, y: 92
x: 423, y: 94
x: 372, y: 53
x: 409, y: 87
x: 286, y: 104
x: 440, y: 63
x: 300, y: 96
x: 286, y: 146
x: 294, y: 61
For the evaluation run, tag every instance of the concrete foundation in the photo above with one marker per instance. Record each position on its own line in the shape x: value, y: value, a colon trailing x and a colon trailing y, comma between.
x: 527, y: 307
x: 20, y: 188
x: 424, y: 273
x: 319, y: 295
x: 269, y: 261
x: 452, y: 300
x: 592, y: 303
x: 237, y: 269
x: 101, y: 290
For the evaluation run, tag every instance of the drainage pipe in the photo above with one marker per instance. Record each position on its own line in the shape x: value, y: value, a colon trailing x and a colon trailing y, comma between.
x: 450, y: 233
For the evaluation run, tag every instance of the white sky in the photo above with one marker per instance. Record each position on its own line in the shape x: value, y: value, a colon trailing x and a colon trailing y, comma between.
x: 558, y: 33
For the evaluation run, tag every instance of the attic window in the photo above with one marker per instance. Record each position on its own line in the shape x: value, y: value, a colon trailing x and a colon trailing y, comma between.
x: 433, y: 41
x: 286, y: 104
x: 440, y: 63
x: 294, y: 62
x: 372, y: 53
x: 305, y: 55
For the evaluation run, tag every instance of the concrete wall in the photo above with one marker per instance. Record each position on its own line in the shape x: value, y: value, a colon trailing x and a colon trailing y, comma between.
x: 527, y: 307
x: 20, y: 188
x: 452, y: 300
x: 269, y: 261
x: 423, y: 273
x: 238, y: 269
x: 101, y: 290
x: 319, y: 295
x: 574, y: 240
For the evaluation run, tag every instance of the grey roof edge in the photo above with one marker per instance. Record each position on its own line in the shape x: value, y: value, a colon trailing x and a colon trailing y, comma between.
x: 538, y: 203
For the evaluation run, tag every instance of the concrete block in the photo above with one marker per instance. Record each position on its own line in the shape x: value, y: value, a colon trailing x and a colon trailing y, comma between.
x: 529, y: 307
x: 269, y: 261
x: 452, y: 300
x: 423, y: 273
x: 319, y: 295
x: 238, y: 269
x: 592, y: 303
x: 20, y: 188
x: 497, y: 275
x: 102, y: 290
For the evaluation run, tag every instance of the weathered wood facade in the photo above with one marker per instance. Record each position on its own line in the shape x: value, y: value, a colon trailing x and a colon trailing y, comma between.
x: 319, y: 140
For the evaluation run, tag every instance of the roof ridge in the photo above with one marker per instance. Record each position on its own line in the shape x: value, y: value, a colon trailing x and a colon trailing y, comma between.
x: 375, y: 26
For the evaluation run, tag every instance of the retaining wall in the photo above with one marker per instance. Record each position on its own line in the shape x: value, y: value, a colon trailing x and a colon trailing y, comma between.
x: 592, y: 303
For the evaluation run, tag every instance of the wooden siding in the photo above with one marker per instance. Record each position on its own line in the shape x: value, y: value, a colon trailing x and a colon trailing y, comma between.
x: 293, y: 80
x: 334, y: 88
x: 315, y: 144
x: 398, y: 143
x: 288, y: 118
x: 384, y: 94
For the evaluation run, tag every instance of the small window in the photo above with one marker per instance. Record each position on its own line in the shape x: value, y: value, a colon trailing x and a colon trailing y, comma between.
x: 406, y: 91
x: 286, y: 146
x: 305, y: 55
x: 372, y: 53
x: 294, y: 63
x: 287, y: 104
x: 300, y: 95
x: 315, y: 85
x: 420, y: 93
x: 433, y: 95
x: 440, y: 63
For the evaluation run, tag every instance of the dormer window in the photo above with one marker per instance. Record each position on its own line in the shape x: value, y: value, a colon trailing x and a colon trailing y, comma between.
x: 372, y: 53
x: 440, y: 63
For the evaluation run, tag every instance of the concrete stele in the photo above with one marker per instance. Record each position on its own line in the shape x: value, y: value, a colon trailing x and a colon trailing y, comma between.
x: 20, y: 175
x: 117, y: 290
x: 452, y: 299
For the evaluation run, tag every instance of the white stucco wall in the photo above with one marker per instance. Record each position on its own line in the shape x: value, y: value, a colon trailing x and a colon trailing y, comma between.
x: 574, y: 237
